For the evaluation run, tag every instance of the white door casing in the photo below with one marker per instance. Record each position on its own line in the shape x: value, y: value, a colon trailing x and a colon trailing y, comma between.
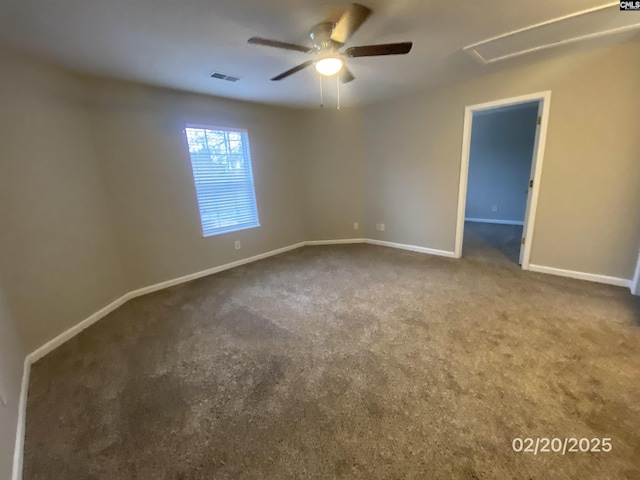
x: 635, y: 283
x: 532, y: 200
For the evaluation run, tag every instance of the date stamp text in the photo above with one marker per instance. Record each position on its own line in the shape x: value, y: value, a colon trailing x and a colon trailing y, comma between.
x: 562, y: 446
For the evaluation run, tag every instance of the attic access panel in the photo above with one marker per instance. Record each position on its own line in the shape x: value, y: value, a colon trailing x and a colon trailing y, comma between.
x: 584, y: 25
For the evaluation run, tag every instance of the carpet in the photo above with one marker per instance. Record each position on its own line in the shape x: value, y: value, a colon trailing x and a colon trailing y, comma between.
x: 350, y: 361
x: 492, y: 243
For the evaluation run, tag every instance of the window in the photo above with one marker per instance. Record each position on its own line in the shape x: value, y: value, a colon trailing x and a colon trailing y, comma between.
x: 221, y: 165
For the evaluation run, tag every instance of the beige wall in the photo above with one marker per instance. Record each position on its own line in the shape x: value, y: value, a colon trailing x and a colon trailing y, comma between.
x: 332, y: 173
x: 58, y: 255
x: 589, y: 208
x: 11, y: 364
x: 139, y: 135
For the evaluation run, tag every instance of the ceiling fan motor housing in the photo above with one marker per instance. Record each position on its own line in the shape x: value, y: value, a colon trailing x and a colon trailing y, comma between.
x: 321, y: 37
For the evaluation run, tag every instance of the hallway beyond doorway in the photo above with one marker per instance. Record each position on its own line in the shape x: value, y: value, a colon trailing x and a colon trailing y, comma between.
x: 492, y: 243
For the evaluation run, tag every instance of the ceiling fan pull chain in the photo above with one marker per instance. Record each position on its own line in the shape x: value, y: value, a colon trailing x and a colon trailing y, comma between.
x: 321, y: 99
x: 338, y: 84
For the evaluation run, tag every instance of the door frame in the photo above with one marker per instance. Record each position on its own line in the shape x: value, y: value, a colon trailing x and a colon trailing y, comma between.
x: 635, y: 283
x: 545, y: 101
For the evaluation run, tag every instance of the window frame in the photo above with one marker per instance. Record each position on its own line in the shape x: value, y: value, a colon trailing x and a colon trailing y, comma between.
x: 249, y: 157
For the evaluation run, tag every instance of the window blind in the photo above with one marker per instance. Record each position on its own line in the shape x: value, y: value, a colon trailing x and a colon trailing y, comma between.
x: 221, y: 164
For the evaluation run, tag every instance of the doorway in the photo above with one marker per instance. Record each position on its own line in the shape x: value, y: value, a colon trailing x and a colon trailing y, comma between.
x: 501, y: 167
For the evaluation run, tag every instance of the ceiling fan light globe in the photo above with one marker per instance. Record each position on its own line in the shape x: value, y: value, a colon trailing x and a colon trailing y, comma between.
x: 329, y: 66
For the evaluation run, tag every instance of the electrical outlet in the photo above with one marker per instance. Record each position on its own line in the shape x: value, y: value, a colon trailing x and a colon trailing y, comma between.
x: 3, y: 397
x: 382, y: 227
x: 238, y: 245
x: 495, y: 208
x: 378, y: 226
x: 356, y: 226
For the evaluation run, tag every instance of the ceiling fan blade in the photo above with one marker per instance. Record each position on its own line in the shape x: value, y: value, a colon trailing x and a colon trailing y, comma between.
x: 275, y: 43
x: 350, y: 21
x: 302, y: 66
x: 376, y: 50
x: 345, y: 75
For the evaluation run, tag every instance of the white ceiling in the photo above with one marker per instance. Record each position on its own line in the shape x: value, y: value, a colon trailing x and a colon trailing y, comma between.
x: 179, y: 43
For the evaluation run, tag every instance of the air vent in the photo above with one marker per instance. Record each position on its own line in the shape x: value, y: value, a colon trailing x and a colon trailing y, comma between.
x: 224, y: 76
x: 587, y: 24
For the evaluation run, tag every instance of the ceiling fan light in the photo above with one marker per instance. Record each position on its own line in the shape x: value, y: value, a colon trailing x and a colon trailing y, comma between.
x: 329, y: 66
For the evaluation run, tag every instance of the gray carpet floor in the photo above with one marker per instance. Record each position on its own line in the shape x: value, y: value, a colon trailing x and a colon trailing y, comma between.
x: 351, y: 361
x: 492, y: 243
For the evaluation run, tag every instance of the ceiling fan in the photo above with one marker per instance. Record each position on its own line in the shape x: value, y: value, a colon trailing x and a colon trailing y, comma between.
x: 328, y: 38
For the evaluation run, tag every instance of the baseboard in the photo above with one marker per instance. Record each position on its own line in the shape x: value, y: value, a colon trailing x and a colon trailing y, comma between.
x: 18, y: 452
x: 104, y: 311
x: 77, y: 328
x: 210, y: 271
x: 494, y: 220
x: 87, y: 322
x: 412, y: 248
x: 343, y: 241
x: 590, y: 277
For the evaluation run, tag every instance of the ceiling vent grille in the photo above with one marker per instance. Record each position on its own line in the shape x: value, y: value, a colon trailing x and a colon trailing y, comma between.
x: 587, y: 24
x: 224, y: 76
